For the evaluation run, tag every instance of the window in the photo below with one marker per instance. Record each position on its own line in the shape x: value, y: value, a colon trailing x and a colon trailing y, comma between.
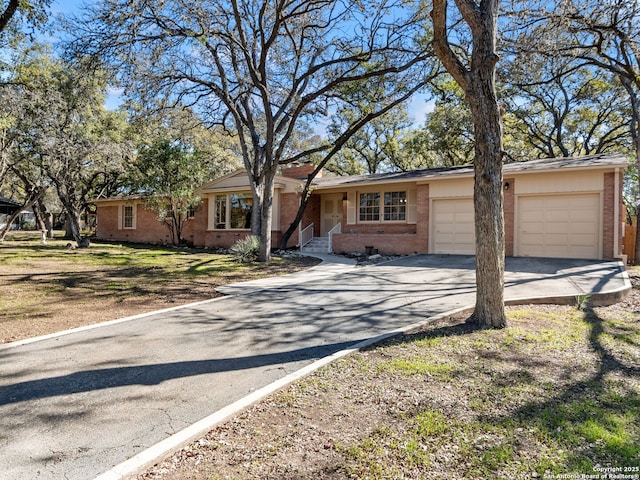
x: 221, y: 211
x: 395, y: 206
x: 127, y: 216
x: 369, y: 207
x: 240, y: 206
x: 233, y: 211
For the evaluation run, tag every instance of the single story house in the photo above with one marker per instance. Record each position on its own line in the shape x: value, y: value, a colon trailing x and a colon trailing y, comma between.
x: 9, y: 207
x: 559, y: 207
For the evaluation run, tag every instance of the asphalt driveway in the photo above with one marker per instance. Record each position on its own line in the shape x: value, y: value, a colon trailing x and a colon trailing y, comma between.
x: 74, y: 405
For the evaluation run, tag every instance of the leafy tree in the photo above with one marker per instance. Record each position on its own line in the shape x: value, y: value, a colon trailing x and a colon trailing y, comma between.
x: 176, y: 155
x: 376, y: 147
x: 259, y: 68
x: 559, y: 114
x: 169, y: 173
x: 63, y: 133
x: 34, y: 12
x: 475, y: 73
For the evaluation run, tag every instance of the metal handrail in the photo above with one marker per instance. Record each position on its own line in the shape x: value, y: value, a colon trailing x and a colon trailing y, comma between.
x: 305, y: 235
x: 337, y: 229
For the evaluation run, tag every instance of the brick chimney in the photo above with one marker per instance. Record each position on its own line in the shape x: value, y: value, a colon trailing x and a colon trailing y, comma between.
x: 299, y: 171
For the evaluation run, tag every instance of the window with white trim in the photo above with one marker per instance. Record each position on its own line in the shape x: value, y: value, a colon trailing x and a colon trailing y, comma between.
x: 393, y: 206
x: 370, y: 207
x: 127, y: 216
x: 233, y: 211
x: 221, y: 211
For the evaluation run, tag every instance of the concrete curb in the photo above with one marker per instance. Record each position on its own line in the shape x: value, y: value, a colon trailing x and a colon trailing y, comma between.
x: 108, y: 323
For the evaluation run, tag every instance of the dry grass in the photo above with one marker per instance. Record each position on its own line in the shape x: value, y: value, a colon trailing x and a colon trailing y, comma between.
x: 50, y: 288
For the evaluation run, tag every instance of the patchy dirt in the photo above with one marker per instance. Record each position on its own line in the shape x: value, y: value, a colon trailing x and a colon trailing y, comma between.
x: 66, y: 289
x: 537, y: 399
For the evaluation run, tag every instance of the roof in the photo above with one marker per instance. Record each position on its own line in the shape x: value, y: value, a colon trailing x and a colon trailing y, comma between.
x: 582, y: 163
x: 238, y: 179
x: 8, y: 202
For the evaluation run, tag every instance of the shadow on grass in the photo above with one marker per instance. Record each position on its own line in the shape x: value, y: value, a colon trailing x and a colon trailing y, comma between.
x: 595, y: 420
x: 565, y: 418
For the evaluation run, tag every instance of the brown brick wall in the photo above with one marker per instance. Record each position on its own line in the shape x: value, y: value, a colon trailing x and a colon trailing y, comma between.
x: 148, y: 228
x: 107, y: 222
x: 609, y: 222
x: 386, y: 243
x: 380, y: 228
x: 508, y: 206
x: 289, y: 203
x: 422, y: 227
x: 300, y: 171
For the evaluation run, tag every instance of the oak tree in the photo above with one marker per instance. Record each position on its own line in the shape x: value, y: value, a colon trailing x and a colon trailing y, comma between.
x: 475, y: 74
x: 259, y: 68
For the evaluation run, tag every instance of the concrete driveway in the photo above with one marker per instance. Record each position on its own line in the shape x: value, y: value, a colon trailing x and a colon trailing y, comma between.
x: 74, y: 405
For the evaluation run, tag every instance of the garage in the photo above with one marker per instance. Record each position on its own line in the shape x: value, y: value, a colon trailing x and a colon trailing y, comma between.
x: 453, y: 229
x: 565, y: 226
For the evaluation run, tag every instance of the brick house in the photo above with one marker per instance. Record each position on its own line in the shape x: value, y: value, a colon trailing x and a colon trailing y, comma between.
x: 561, y: 207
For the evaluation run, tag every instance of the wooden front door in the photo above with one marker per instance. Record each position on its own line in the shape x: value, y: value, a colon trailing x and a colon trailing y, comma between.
x: 330, y: 213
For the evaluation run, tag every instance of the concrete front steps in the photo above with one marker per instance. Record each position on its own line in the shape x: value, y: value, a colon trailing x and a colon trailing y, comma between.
x: 317, y: 245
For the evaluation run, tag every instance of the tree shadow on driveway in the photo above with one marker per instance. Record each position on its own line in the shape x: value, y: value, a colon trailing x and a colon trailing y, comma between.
x: 147, y: 375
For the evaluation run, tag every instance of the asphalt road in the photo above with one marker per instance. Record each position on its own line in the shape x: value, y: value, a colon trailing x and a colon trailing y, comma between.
x: 73, y: 406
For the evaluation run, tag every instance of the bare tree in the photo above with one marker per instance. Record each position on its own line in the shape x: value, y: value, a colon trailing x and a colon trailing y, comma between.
x: 260, y: 68
x: 34, y: 11
x: 476, y: 76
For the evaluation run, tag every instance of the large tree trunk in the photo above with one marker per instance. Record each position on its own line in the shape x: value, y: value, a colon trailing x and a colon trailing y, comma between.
x: 477, y: 79
x: 266, y: 217
x: 635, y: 135
x: 72, y: 223
x: 488, y: 200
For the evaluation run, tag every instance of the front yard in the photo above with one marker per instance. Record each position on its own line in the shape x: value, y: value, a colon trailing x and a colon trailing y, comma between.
x: 45, y: 289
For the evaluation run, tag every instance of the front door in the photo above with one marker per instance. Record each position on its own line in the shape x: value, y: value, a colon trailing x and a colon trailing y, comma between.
x: 330, y: 213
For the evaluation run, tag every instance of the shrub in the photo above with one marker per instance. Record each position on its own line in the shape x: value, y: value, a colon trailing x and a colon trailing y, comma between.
x: 246, y: 250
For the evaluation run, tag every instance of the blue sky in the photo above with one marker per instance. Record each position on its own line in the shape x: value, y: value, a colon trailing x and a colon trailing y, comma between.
x: 418, y: 107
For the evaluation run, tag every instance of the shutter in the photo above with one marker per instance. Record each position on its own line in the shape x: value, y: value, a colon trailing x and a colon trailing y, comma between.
x: 412, y: 206
x: 120, y: 214
x: 351, y: 207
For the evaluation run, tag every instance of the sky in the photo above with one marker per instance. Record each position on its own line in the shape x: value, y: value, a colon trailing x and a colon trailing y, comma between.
x: 418, y: 107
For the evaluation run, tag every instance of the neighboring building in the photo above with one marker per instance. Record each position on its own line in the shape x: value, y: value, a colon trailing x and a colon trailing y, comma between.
x: 562, y: 207
x: 8, y: 207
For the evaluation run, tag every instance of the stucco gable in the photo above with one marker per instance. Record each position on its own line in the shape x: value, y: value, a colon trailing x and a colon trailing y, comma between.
x: 239, y: 181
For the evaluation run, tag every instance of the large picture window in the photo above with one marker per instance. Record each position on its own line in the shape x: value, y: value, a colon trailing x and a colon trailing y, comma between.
x: 233, y: 211
x: 393, y: 206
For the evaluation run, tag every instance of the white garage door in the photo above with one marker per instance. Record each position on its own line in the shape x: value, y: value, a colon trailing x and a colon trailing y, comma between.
x: 453, y: 229
x: 559, y: 226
